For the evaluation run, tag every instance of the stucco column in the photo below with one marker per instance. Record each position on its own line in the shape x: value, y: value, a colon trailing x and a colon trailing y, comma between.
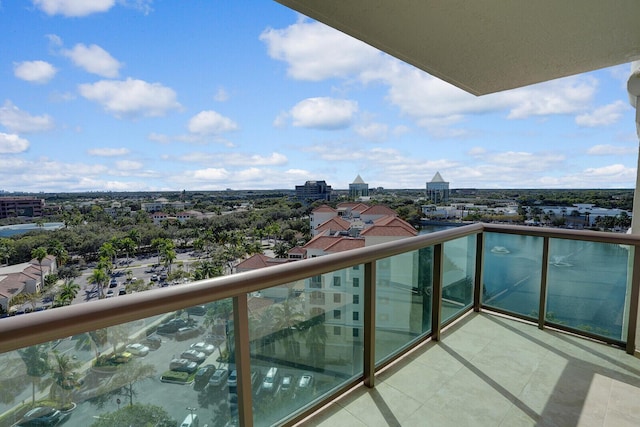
x: 633, y: 88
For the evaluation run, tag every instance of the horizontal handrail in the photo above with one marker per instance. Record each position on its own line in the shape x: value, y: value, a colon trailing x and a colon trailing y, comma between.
x: 38, y: 327
x: 35, y: 328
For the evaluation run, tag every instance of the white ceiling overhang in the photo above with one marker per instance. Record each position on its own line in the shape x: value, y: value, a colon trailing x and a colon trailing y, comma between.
x: 486, y: 46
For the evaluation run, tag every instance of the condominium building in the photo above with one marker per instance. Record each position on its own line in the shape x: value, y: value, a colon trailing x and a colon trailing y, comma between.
x: 358, y: 188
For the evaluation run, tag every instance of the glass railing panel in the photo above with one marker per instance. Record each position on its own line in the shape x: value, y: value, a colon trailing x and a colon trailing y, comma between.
x: 458, y: 274
x: 121, y: 375
x: 305, y: 341
x: 587, y: 286
x: 403, y: 300
x: 512, y: 273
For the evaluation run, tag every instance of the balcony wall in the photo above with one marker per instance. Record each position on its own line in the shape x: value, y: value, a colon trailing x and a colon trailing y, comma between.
x: 582, y: 282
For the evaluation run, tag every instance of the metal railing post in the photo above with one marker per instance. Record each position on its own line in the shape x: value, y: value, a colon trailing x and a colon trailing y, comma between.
x: 369, y: 363
x: 633, y: 304
x: 477, y: 288
x: 243, y: 363
x: 436, y: 295
x: 542, y: 308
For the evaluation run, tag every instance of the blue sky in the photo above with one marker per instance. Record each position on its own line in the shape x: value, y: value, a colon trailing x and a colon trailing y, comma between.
x: 141, y: 95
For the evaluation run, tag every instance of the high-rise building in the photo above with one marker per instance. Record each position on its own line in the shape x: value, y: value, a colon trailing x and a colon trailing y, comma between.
x: 313, y: 190
x: 438, y: 189
x: 358, y: 188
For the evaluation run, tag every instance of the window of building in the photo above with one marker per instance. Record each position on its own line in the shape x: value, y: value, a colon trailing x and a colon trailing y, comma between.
x: 356, y: 267
x: 336, y: 281
x: 356, y: 299
x: 356, y: 282
x: 337, y: 314
x: 337, y: 330
x: 336, y: 298
x: 316, y: 282
x: 356, y: 315
x: 356, y: 332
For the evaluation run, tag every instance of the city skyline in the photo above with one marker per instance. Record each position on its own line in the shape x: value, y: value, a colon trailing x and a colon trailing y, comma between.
x: 138, y: 95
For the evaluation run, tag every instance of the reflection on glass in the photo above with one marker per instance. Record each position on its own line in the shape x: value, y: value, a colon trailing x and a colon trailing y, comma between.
x: 155, y: 370
x: 403, y: 300
x: 458, y: 276
x: 586, y: 286
x: 512, y: 273
x: 305, y: 341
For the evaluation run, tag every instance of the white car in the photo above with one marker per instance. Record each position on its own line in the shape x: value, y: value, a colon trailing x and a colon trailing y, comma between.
x: 193, y: 355
x: 203, y: 347
x: 138, y: 349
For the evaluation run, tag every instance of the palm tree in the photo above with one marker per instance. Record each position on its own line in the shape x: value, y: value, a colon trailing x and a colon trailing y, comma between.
x: 100, y: 278
x: 36, y: 359
x: 108, y: 251
x: 65, y: 379
x: 286, y: 318
x: 315, y: 340
x: 40, y: 253
x: 57, y: 249
x: 7, y: 249
x: 68, y: 292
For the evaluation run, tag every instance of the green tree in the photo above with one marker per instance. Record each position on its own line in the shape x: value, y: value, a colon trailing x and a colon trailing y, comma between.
x: 36, y: 360
x: 65, y: 379
x: 100, y: 278
x: 286, y: 318
x: 68, y: 292
x: 39, y: 254
x: 7, y: 249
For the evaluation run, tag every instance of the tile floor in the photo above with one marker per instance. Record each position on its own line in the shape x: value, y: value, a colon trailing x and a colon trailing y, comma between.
x: 491, y: 371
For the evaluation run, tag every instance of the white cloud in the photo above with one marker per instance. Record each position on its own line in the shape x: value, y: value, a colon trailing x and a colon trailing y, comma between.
x: 209, y: 174
x: 94, y: 59
x: 603, y: 116
x: 108, y: 152
x: 309, y: 49
x: 235, y: 159
x: 74, y: 8
x: 221, y: 95
x: 54, y: 40
x: 373, y: 131
x: 211, y: 123
x: 20, y: 121
x: 131, y: 98
x: 611, y: 150
x: 324, y: 113
x: 34, y: 71
x: 128, y: 165
x: 12, y: 144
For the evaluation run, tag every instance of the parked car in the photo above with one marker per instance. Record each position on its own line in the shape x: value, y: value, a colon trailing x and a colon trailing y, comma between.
x: 183, y: 365
x: 203, y: 347
x: 204, y: 375
x: 193, y: 355
x: 187, y: 332
x: 122, y: 291
x: 154, y: 277
x: 305, y: 382
x: 41, y: 416
x: 196, y: 310
x: 153, y: 342
x: 219, y: 378
x: 110, y: 293
x: 233, y: 379
x: 113, y: 283
x: 138, y: 349
x: 172, y: 326
x: 270, y: 380
x: 285, y: 383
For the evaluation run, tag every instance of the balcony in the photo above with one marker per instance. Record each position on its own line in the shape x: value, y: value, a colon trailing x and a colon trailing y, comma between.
x: 482, y: 325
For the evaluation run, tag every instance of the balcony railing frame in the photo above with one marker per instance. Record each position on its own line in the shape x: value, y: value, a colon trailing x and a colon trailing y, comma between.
x: 36, y: 328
